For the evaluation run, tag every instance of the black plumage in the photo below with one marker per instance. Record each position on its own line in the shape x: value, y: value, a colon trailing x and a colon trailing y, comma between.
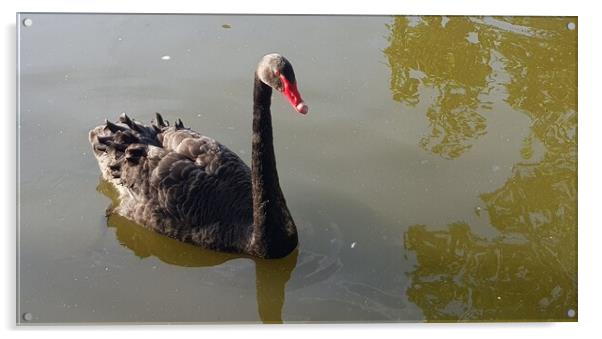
x: 194, y: 189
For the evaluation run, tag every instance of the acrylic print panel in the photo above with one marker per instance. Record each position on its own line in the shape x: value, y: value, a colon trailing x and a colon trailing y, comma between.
x: 433, y: 178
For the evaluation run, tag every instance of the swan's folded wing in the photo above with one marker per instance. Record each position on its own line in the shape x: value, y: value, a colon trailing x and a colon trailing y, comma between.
x: 194, y: 179
x: 204, y: 151
x: 173, y: 176
x: 197, y: 195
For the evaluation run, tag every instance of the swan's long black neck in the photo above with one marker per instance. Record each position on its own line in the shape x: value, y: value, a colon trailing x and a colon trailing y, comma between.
x: 274, y: 231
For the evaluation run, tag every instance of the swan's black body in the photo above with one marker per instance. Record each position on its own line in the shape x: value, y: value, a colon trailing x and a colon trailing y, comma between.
x: 191, y: 188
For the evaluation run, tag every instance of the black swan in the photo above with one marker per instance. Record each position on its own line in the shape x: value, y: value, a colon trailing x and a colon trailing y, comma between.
x: 192, y: 188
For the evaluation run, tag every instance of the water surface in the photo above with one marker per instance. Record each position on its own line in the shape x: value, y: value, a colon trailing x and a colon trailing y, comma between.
x: 434, y: 178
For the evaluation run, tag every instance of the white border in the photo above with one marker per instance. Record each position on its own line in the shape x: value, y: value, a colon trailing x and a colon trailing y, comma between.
x: 589, y: 163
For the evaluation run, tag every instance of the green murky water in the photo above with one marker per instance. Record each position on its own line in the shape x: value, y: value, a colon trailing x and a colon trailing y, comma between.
x: 434, y: 178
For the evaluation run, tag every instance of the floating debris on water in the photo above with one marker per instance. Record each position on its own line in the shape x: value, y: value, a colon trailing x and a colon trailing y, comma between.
x: 226, y: 26
x: 166, y: 57
x: 353, y: 244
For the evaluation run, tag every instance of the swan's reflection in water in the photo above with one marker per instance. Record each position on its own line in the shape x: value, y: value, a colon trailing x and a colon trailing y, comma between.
x: 271, y: 275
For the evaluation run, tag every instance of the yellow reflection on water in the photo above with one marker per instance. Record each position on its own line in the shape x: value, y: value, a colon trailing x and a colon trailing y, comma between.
x: 271, y: 275
x: 438, y: 54
x: 529, y: 270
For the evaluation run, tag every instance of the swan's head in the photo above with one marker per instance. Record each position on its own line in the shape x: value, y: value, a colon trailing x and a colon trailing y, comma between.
x: 277, y: 72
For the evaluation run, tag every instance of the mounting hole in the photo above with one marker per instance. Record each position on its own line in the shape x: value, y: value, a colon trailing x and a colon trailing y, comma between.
x: 27, y: 22
x: 571, y: 26
x: 27, y: 316
x: 571, y: 313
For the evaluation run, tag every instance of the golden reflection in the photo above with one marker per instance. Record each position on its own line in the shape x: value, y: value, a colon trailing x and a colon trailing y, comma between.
x: 271, y: 275
x: 441, y: 54
x: 529, y: 270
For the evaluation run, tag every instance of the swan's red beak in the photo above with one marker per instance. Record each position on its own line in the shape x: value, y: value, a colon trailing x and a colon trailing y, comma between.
x: 292, y: 94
